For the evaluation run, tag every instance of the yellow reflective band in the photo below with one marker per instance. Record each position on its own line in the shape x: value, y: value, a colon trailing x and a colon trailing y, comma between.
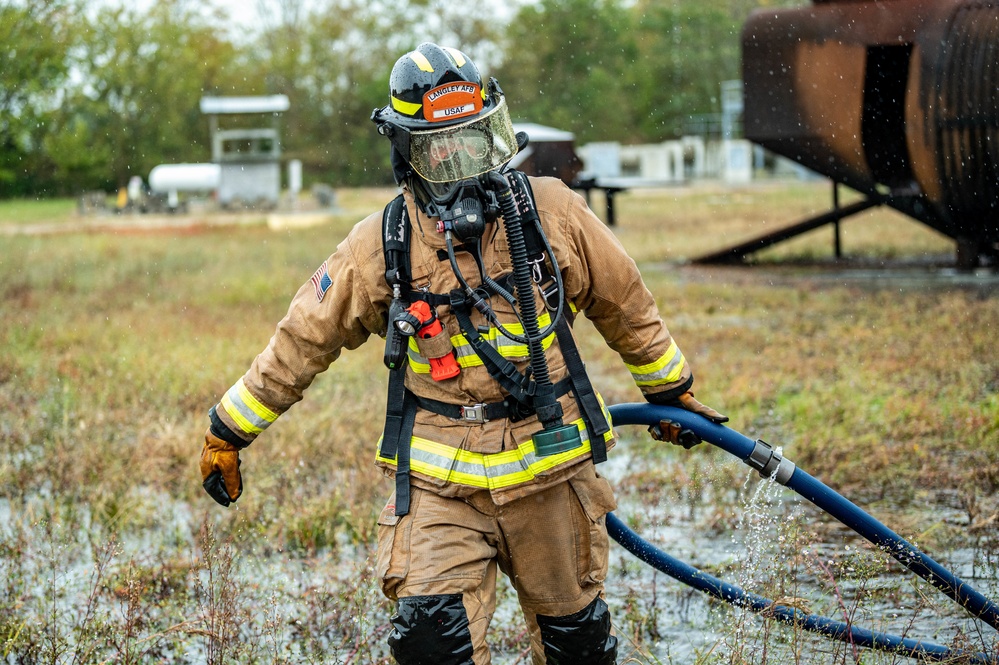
x: 245, y: 410
x: 488, y: 471
x: 667, y: 369
x: 465, y: 353
x: 406, y: 108
x: 506, y: 348
x: 238, y: 418
x: 253, y: 403
x: 417, y: 362
x: 496, y: 482
x: 457, y: 57
x: 421, y: 61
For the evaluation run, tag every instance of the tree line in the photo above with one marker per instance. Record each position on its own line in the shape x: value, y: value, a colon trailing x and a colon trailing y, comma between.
x: 94, y: 93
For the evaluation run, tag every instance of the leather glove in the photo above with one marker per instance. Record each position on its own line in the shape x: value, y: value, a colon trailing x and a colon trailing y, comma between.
x: 674, y: 432
x: 686, y: 401
x: 220, y: 469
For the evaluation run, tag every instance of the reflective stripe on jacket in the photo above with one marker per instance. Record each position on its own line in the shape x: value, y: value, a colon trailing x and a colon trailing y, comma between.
x: 496, y: 471
x: 466, y: 355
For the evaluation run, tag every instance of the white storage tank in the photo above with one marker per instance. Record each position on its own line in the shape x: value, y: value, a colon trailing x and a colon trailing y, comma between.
x: 167, y: 178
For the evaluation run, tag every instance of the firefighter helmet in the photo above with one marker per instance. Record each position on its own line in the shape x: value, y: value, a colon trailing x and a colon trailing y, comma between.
x: 441, y: 121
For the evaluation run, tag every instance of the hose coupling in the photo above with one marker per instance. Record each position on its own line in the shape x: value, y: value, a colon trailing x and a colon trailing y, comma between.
x: 767, y: 461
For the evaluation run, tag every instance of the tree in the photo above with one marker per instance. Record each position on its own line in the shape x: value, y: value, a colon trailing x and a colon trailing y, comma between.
x: 325, y: 59
x: 564, y: 65
x: 33, y: 68
x: 141, y: 77
x: 687, y: 48
x: 333, y: 63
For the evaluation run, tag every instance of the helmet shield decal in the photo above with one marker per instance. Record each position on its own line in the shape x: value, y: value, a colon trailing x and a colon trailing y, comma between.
x: 460, y: 152
x: 452, y: 100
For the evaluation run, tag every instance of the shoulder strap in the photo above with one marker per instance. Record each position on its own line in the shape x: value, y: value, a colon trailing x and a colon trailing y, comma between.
x: 395, y: 242
x: 401, y: 408
x: 593, y: 415
x: 396, y: 234
x: 586, y: 396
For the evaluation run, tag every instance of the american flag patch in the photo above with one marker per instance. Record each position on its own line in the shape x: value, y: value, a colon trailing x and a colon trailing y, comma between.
x: 321, y: 281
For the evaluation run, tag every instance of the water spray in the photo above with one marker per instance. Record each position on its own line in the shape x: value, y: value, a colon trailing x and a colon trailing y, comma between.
x: 762, y: 457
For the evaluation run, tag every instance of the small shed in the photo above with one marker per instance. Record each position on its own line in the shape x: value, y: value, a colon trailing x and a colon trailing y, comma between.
x: 248, y: 157
x: 551, y: 152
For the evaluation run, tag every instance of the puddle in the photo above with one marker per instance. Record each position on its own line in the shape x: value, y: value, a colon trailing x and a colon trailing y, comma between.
x: 766, y: 550
x: 330, y: 601
x: 896, y: 275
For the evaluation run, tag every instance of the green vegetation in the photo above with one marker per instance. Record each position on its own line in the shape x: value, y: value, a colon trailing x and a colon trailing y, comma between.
x: 113, y: 346
x: 30, y: 211
x: 91, y: 94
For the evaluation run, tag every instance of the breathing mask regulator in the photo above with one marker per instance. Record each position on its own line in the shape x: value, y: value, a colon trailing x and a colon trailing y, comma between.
x: 467, y: 212
x: 451, y: 142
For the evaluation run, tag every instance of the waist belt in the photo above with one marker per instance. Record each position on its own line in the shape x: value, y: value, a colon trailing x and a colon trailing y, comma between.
x: 481, y: 413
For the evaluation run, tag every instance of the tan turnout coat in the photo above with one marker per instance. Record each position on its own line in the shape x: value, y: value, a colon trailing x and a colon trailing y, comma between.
x: 347, y: 302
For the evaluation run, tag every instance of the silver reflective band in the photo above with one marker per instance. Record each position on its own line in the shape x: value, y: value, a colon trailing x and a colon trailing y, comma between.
x: 460, y: 152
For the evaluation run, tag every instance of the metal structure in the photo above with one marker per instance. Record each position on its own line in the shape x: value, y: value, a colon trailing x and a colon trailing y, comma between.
x: 896, y: 99
x: 551, y: 152
x: 250, y: 173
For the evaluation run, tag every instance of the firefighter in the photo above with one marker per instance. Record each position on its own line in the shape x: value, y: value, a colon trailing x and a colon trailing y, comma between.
x: 493, y: 428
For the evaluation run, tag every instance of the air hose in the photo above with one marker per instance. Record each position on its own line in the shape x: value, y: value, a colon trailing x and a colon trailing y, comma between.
x: 556, y: 437
x: 769, y: 463
x: 522, y: 278
x: 730, y: 593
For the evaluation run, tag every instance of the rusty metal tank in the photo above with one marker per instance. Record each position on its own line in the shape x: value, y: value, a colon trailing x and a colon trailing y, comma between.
x: 895, y: 98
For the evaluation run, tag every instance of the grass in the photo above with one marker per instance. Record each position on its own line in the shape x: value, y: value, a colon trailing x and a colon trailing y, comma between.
x: 30, y: 211
x: 113, y: 346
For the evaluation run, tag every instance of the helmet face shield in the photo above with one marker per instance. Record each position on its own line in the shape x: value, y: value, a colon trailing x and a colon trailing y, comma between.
x: 459, y: 152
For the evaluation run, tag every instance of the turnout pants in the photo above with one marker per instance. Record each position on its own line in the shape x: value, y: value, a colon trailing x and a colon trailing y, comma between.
x: 439, y: 563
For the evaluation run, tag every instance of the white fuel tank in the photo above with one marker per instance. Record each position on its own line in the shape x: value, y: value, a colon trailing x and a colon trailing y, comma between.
x: 167, y: 178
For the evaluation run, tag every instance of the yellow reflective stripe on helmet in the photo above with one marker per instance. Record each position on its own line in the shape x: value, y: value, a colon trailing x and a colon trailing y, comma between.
x: 456, y: 55
x: 488, y: 471
x: 246, y: 411
x: 421, y: 61
x: 667, y: 369
x: 406, y: 108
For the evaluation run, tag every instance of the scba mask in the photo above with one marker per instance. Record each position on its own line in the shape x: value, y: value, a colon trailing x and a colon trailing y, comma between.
x: 464, y: 210
x: 447, y: 155
x: 448, y: 165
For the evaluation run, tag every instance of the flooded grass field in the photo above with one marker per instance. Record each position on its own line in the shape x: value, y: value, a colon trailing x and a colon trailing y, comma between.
x: 876, y: 373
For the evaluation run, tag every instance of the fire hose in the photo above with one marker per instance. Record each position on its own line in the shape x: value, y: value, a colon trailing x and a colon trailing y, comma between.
x: 771, y: 464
